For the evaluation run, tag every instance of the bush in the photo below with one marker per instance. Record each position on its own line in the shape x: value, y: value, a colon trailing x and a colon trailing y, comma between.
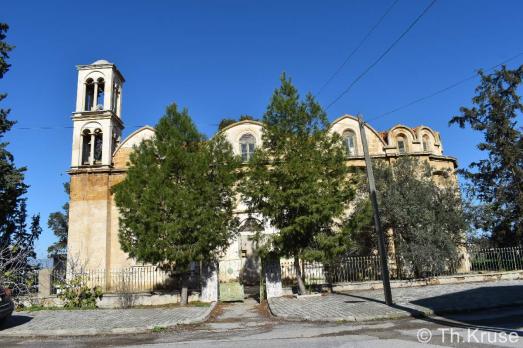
x: 77, y: 294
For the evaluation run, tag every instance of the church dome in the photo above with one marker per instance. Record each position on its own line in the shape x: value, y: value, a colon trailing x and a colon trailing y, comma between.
x: 100, y: 62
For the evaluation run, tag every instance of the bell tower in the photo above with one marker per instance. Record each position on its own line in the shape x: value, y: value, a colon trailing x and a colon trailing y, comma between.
x: 97, y: 128
x: 97, y: 119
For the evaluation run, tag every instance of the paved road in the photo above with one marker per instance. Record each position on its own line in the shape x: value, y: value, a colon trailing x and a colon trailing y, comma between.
x: 248, y: 325
x: 414, y: 301
x: 99, y: 321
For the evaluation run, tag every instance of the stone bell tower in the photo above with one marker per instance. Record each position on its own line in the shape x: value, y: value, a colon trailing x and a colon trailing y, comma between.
x: 96, y: 134
x: 97, y: 118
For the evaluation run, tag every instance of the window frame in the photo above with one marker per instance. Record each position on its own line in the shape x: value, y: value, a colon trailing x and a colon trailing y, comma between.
x: 346, y: 136
x: 248, y: 142
x: 401, y: 138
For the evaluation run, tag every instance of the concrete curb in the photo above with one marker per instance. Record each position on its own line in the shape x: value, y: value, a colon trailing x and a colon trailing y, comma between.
x: 115, y: 331
x: 401, y: 314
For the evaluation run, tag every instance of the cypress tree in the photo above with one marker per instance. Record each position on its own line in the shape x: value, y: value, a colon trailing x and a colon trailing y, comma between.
x: 176, y: 202
x: 298, y: 180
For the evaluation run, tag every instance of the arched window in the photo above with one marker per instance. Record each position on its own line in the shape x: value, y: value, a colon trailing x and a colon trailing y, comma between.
x: 100, y: 94
x: 402, y: 143
x: 89, y: 94
x: 349, y: 139
x: 86, y: 147
x: 426, y: 143
x: 92, y: 145
x: 251, y: 225
x: 98, y: 141
x: 247, y: 145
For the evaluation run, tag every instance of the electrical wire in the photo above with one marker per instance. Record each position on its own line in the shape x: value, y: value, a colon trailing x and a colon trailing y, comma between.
x: 360, y: 76
x: 356, y: 49
x: 451, y: 86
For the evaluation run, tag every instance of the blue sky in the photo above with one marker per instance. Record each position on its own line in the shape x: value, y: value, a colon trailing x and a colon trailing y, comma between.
x: 223, y: 59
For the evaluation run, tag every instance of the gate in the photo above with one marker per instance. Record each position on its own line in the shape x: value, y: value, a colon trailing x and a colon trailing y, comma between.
x: 231, y: 288
x: 239, y: 270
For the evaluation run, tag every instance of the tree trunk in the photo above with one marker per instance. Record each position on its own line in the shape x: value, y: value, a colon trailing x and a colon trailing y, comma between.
x: 184, y: 292
x: 299, y: 277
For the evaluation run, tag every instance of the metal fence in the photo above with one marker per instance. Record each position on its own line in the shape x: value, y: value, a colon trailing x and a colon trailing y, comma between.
x: 314, y: 273
x: 128, y: 280
x: 368, y: 268
x: 496, y: 259
x: 356, y: 269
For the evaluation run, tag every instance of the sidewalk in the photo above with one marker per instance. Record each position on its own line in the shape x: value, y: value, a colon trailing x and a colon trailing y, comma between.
x: 415, y: 301
x: 100, y: 321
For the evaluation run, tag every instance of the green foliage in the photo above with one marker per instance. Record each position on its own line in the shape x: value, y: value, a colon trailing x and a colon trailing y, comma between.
x: 246, y: 117
x: 225, y: 122
x: 359, y: 230
x: 426, y: 216
x: 158, y: 329
x: 298, y: 181
x: 176, y: 202
x: 77, y: 294
x: 58, y: 222
x: 497, y: 181
x: 12, y: 186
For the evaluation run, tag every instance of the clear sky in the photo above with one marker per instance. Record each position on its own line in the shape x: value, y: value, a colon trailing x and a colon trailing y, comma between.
x: 223, y: 59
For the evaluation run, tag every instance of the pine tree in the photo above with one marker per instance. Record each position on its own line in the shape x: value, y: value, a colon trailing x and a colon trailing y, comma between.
x: 298, y: 180
x: 497, y: 181
x: 176, y: 202
x: 58, y: 222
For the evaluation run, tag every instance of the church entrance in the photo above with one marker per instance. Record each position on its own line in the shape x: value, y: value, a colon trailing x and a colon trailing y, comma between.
x: 239, y: 270
x: 251, y: 267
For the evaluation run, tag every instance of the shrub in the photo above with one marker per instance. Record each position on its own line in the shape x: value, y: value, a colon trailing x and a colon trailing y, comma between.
x: 77, y: 294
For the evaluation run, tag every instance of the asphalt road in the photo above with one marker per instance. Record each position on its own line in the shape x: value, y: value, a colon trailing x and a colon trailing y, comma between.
x: 248, y: 325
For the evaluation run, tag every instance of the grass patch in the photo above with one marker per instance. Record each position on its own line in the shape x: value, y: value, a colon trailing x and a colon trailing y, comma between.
x: 158, y: 329
x: 38, y: 308
x: 199, y: 304
x: 176, y: 305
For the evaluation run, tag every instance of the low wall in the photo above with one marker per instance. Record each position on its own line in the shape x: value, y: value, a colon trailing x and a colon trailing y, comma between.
x: 455, y: 279
x: 130, y: 300
x: 110, y: 301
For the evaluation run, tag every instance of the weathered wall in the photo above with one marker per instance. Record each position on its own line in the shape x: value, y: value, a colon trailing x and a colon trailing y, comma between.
x: 89, y: 220
x: 93, y: 224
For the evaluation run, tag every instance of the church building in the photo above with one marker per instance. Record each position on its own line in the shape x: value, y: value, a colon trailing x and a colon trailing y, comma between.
x: 100, y: 158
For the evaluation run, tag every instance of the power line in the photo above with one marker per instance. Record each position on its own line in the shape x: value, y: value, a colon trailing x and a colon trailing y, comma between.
x: 451, y: 86
x: 42, y: 128
x: 369, y: 33
x: 54, y: 127
x: 360, y: 76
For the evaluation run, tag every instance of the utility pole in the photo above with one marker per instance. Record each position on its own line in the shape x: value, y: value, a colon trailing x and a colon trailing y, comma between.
x: 377, y: 222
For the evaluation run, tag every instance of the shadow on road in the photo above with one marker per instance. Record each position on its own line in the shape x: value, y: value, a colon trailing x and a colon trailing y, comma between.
x: 457, y: 308
x: 14, y: 320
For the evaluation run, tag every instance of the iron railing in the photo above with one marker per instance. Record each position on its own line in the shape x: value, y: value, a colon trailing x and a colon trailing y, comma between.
x: 314, y: 273
x: 496, y: 259
x: 127, y: 280
x: 356, y: 269
x: 368, y: 268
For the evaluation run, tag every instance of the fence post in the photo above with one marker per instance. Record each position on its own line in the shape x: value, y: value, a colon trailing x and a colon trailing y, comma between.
x: 209, y: 281
x: 44, y: 282
x: 273, y: 277
x: 464, y: 264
